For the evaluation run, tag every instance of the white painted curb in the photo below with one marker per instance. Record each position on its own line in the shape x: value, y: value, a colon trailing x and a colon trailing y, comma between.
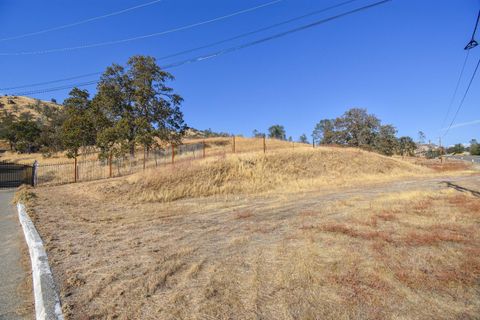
x: 47, y: 303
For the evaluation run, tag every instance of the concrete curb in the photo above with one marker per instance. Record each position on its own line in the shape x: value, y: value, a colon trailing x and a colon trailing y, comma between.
x: 47, y: 303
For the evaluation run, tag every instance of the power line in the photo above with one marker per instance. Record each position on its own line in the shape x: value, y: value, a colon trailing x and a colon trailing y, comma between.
x: 452, y: 100
x: 193, y: 49
x: 472, y: 44
x: 146, y: 36
x: 74, y: 24
x: 225, y: 51
x: 476, y: 25
x: 463, y: 99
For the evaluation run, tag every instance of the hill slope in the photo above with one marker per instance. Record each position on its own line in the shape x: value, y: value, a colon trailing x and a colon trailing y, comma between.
x: 283, y: 170
x: 18, y: 105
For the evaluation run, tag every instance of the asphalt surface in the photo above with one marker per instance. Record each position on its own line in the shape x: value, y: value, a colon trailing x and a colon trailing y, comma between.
x: 475, y: 159
x: 11, y: 271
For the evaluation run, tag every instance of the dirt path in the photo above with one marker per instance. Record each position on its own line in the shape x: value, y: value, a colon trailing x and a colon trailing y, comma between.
x: 14, y: 301
x: 225, y: 257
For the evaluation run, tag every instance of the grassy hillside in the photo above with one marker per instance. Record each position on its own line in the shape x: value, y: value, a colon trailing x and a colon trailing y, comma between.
x: 402, y: 250
x: 255, y: 172
x: 18, y: 105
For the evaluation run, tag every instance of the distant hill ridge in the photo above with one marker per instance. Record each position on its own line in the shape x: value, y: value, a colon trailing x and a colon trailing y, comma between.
x: 19, y: 104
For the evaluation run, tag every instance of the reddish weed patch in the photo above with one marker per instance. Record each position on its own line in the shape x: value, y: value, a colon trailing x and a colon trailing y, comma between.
x: 434, y: 238
x: 365, y: 235
x: 243, y: 214
x: 385, y: 216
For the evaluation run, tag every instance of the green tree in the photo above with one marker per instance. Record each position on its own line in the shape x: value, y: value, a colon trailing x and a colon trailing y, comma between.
x: 354, y: 128
x: 7, y: 132
x: 406, y: 146
x: 78, y: 129
x: 303, y: 139
x: 474, y: 148
x: 50, y: 120
x: 386, y: 142
x: 358, y: 128
x: 257, y: 134
x: 277, y: 132
x: 27, y: 134
x: 456, y: 149
x: 324, y: 132
x: 139, y: 105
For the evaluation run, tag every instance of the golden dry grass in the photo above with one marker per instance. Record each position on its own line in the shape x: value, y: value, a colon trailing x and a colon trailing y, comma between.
x: 327, y: 233
x: 21, y: 104
x: 395, y: 251
x: 286, y: 170
x: 214, y: 147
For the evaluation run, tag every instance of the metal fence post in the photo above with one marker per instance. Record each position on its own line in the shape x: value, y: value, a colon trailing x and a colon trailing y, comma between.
x: 264, y: 145
x: 173, y: 154
x: 144, y: 151
x: 75, y: 170
x: 204, y: 148
x: 233, y: 145
x: 110, y: 165
x: 34, y: 173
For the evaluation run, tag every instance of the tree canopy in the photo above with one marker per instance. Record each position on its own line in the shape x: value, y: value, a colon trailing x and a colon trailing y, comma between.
x: 133, y: 106
x: 358, y: 128
x: 277, y: 132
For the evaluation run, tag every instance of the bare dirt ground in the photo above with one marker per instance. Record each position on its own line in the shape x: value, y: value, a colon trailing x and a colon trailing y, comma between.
x: 407, y: 249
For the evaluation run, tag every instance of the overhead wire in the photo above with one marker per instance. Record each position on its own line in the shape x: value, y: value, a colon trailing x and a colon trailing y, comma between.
x: 146, y: 36
x: 463, y: 98
x: 462, y: 101
x: 228, y: 50
x: 74, y: 24
x: 457, y: 86
x: 193, y: 49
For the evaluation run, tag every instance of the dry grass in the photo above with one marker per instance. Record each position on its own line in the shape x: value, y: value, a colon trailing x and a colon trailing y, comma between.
x: 214, y: 147
x: 288, y: 170
x: 329, y: 233
x: 442, y: 166
x: 19, y: 104
x: 387, y: 252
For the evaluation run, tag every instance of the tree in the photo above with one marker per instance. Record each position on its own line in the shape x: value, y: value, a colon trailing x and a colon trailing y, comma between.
x: 421, y: 137
x: 7, y: 119
x: 78, y: 130
x: 303, y: 139
x: 277, y: 132
x: 474, y: 148
x: 257, y: 134
x: 324, y: 132
x: 456, y: 149
x: 358, y: 128
x: 385, y: 141
x: 139, y: 105
x: 355, y: 128
x: 406, y: 146
x: 26, y: 134
x: 50, y: 120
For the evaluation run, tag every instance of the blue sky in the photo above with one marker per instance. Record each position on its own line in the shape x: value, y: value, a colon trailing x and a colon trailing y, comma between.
x: 400, y: 60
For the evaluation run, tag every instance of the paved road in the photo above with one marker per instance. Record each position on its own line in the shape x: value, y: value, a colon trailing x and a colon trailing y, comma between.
x: 11, y: 271
x: 475, y: 159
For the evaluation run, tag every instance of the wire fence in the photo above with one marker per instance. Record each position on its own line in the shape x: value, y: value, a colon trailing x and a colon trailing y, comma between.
x: 89, y: 170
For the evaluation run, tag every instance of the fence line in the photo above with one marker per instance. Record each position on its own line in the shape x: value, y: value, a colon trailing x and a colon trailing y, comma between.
x: 90, y: 170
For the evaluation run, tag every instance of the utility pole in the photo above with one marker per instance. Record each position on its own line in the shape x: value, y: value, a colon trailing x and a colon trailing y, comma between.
x: 441, y: 150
